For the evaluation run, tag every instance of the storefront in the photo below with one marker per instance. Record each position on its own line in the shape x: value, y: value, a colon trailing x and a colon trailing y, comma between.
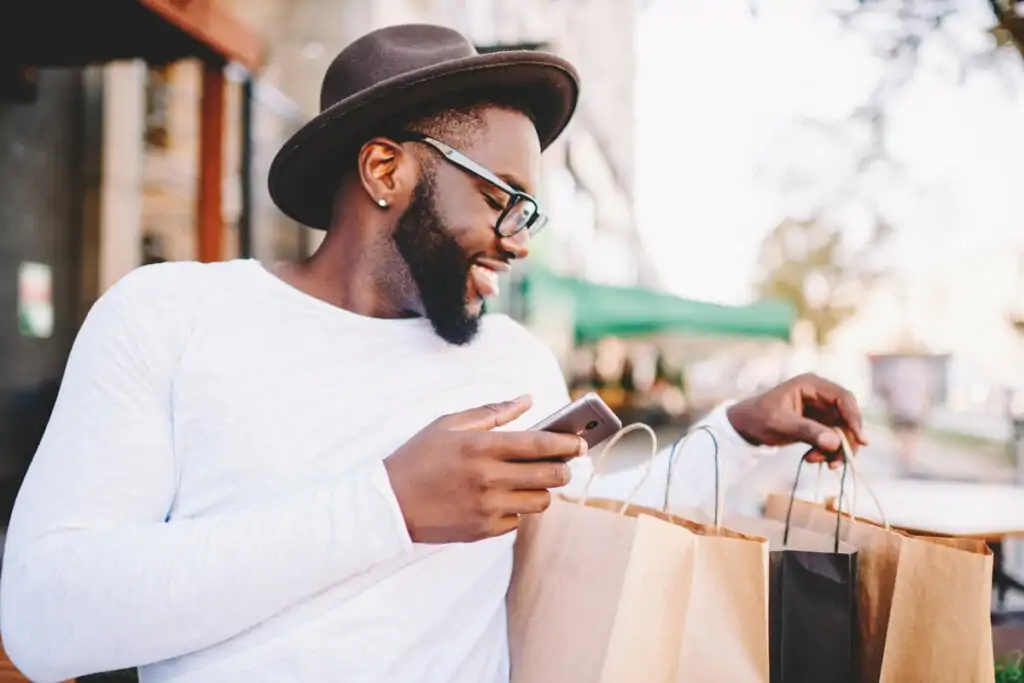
x: 51, y: 193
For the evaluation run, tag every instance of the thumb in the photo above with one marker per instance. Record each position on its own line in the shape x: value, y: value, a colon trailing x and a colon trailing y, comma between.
x: 488, y: 416
x: 812, y: 433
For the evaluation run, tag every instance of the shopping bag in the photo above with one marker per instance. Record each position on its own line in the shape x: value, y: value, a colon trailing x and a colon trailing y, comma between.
x: 813, y: 605
x: 878, y: 550
x: 940, y: 626
x: 602, y: 591
x: 599, y: 592
x: 923, y: 602
x: 726, y: 631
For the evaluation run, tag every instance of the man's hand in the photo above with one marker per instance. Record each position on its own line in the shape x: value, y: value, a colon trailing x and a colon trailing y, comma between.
x: 458, y: 480
x: 804, y: 409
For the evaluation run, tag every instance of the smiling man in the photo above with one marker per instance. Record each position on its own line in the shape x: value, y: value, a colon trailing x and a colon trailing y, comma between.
x: 310, y: 471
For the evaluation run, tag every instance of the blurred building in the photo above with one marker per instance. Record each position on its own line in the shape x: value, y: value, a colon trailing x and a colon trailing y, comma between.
x: 73, y: 194
x: 169, y: 152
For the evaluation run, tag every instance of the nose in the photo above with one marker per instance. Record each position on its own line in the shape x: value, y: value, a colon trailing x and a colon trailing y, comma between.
x: 518, y: 245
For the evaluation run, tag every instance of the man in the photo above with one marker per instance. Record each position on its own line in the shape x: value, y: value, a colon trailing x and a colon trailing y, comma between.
x: 309, y: 471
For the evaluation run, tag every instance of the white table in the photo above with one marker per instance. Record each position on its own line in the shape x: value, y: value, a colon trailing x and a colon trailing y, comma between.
x: 990, y: 512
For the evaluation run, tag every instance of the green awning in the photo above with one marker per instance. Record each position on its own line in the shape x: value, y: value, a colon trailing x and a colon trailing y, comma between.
x: 603, y: 310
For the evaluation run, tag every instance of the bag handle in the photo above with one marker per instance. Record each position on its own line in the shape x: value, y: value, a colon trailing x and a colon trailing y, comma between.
x: 849, y: 460
x: 792, y: 498
x: 604, y: 453
x: 858, y: 479
x: 719, y: 465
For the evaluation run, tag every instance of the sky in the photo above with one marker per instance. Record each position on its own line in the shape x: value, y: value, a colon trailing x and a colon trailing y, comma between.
x: 718, y: 94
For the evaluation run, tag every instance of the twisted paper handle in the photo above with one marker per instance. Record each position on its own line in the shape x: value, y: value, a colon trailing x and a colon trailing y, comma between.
x: 858, y: 479
x: 719, y: 471
x: 792, y: 499
x: 604, y: 454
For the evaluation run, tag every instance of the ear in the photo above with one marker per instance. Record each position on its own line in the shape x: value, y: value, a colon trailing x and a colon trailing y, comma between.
x: 387, y: 172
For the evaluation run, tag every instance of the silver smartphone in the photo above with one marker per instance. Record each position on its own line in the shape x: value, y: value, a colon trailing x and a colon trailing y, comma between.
x: 588, y: 417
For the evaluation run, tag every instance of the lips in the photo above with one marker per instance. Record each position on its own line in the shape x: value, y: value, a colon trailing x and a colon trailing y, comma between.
x: 483, y: 275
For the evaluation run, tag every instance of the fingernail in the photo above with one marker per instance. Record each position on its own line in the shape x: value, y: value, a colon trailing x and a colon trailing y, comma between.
x: 525, y: 398
x: 584, y: 447
x: 829, y: 441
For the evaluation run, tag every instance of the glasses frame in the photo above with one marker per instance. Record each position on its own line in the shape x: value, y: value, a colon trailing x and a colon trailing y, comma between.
x: 455, y: 157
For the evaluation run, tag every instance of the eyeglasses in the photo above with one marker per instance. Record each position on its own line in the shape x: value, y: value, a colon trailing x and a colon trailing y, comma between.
x: 521, y: 211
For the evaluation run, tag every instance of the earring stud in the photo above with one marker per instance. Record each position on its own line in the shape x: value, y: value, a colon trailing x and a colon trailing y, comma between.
x: 382, y: 203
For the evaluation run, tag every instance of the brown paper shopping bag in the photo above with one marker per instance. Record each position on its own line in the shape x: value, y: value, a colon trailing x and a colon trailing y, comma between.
x: 726, y: 633
x: 599, y: 593
x: 940, y: 626
x: 603, y: 591
x: 924, y: 602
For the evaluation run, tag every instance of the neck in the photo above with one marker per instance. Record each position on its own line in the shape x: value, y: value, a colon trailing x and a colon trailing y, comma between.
x: 346, y: 272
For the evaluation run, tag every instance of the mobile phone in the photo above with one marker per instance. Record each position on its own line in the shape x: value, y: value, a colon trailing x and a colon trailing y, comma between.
x: 588, y: 417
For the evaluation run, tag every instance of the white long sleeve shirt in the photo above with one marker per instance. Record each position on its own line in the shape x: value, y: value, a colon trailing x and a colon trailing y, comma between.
x: 209, y: 501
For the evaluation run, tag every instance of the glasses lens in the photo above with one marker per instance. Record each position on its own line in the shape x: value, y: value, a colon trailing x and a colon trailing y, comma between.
x: 523, y: 214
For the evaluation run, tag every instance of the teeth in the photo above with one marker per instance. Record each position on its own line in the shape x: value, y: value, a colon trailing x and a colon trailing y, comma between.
x: 486, y: 281
x: 491, y: 278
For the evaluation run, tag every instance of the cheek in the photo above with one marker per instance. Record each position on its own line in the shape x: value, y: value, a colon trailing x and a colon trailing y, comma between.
x: 470, y: 221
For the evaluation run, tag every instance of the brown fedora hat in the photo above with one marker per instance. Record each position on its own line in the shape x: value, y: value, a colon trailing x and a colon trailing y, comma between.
x: 393, y: 73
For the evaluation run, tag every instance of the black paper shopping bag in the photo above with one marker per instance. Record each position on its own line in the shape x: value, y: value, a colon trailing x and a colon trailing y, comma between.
x: 812, y: 606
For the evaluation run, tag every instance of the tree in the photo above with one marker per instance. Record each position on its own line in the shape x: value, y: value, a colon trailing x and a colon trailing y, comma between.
x: 910, y: 38
x: 807, y: 262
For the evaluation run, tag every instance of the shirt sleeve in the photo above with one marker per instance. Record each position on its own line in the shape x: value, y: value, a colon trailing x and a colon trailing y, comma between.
x: 95, y: 577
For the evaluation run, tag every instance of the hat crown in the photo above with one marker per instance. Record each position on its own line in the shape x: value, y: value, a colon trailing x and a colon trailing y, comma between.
x: 388, y: 53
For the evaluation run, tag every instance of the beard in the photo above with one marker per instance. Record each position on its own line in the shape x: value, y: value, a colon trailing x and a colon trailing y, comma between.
x: 438, y: 266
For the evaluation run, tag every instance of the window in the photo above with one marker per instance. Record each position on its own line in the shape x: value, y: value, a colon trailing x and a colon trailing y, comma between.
x: 158, y: 93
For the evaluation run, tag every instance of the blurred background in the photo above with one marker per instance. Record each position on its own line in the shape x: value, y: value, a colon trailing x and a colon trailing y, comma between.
x: 751, y: 189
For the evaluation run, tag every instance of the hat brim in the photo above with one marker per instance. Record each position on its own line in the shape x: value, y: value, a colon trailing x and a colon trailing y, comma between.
x: 305, y: 174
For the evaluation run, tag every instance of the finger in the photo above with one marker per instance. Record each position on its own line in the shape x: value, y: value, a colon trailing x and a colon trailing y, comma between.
x: 490, y: 416
x: 506, y: 524
x: 815, y: 456
x: 528, y: 476
x: 850, y: 412
x: 810, y: 432
x: 845, y: 402
x: 523, y: 502
x: 852, y: 441
x: 531, y: 446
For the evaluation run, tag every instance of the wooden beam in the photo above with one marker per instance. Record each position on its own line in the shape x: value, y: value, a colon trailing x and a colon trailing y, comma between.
x: 209, y: 216
x: 213, y: 26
